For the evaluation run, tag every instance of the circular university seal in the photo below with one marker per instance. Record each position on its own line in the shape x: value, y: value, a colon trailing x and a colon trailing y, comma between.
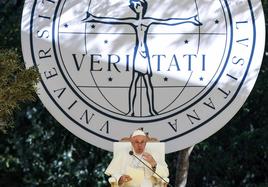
x: 180, y: 70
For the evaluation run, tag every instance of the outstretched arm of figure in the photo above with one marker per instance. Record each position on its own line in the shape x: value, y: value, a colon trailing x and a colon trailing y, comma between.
x: 107, y: 20
x: 176, y: 21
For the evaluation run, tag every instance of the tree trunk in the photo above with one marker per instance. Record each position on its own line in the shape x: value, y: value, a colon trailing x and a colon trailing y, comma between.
x: 182, y: 167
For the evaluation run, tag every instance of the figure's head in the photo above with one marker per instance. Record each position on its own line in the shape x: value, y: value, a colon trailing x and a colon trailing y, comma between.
x: 138, y: 141
x: 138, y: 6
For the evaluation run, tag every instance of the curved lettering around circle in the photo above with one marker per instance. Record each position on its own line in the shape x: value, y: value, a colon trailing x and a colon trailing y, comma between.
x: 108, y: 68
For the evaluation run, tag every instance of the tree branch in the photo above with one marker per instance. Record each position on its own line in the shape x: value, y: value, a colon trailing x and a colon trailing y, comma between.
x: 182, y: 167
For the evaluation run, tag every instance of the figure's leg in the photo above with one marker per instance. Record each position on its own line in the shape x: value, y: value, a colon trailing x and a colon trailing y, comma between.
x: 150, y: 94
x: 132, y: 93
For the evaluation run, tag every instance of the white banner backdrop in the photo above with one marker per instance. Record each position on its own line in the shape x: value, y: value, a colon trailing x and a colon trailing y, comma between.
x: 179, y: 69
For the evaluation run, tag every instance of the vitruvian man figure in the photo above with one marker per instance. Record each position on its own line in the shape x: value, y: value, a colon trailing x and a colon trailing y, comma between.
x: 141, y: 58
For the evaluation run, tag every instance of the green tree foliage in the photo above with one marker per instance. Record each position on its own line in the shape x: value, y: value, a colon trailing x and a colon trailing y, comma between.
x: 16, y: 85
x: 40, y: 152
x: 10, y: 16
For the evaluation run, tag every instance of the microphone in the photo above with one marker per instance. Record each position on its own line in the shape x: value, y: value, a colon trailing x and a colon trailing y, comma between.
x: 132, y: 154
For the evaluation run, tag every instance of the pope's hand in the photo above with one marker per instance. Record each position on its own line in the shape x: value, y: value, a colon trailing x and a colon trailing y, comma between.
x: 123, y: 179
x: 149, y: 158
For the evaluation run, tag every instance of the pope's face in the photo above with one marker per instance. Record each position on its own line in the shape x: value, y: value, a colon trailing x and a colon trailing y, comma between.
x: 138, y: 143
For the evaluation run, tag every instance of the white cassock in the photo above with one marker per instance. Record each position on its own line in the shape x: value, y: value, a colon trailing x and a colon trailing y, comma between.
x: 126, y: 164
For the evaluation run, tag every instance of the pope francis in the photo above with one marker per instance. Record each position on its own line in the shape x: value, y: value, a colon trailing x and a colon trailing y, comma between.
x: 129, y: 170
